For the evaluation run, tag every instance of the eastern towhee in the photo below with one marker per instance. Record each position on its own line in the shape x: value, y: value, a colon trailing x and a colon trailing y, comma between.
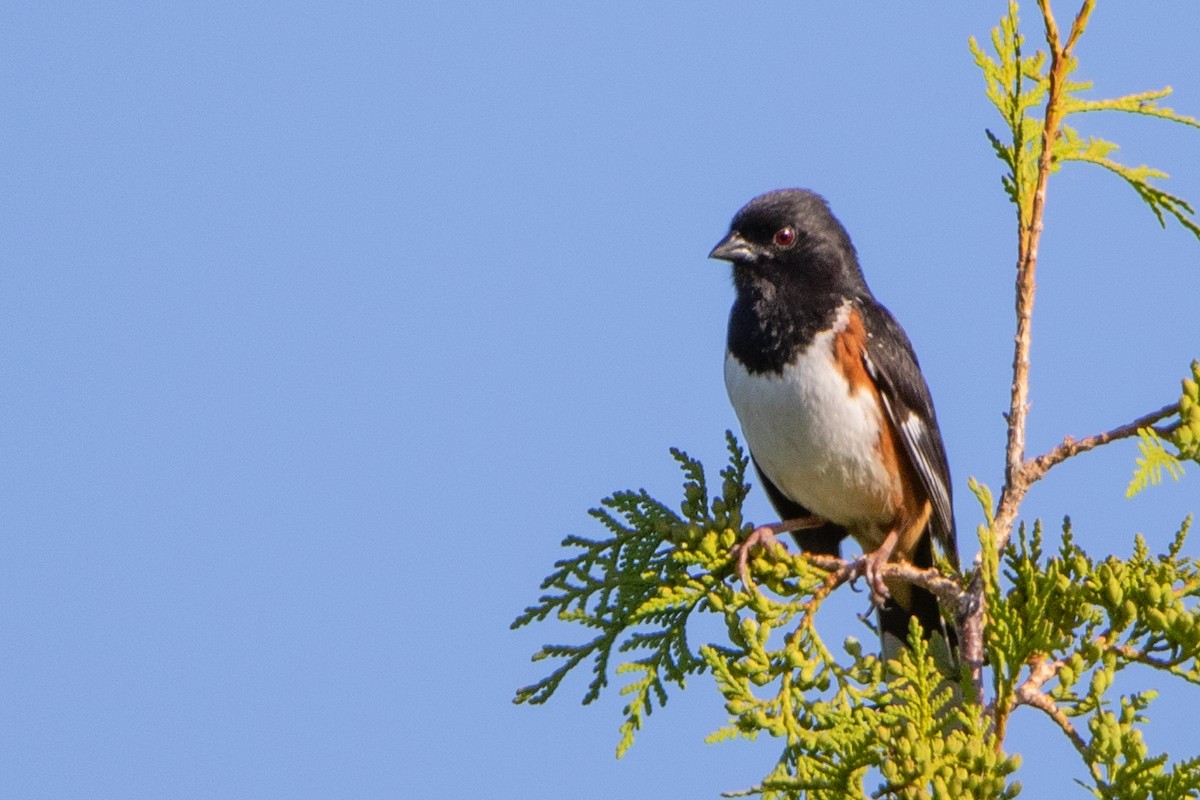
x: 832, y: 403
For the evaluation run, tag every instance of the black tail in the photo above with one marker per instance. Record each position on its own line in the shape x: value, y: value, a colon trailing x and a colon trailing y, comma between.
x: 922, y: 604
x: 893, y: 620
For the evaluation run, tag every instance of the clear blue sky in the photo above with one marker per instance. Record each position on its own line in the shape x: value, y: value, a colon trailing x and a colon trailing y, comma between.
x: 323, y: 324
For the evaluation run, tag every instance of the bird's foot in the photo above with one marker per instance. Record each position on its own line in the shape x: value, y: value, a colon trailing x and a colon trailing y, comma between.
x: 872, y: 564
x: 766, y: 536
x: 762, y: 536
x: 879, y: 590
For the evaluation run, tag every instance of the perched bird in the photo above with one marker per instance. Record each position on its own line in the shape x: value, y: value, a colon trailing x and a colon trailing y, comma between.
x: 832, y: 403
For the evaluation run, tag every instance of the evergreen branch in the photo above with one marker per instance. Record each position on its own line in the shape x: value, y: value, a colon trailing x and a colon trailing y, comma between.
x: 1016, y: 483
x: 949, y: 592
x: 1154, y: 459
x: 1120, y: 762
x: 1138, y: 103
x: 1030, y: 693
x: 1058, y: 144
x: 1072, y: 622
x: 1160, y: 202
x: 1186, y: 434
x: 1033, y: 155
x: 640, y: 587
x: 1142, y: 600
x: 1029, y: 193
x: 1036, y: 468
x: 1172, y: 666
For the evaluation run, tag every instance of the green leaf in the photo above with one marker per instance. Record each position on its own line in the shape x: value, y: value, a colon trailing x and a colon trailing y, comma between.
x: 1186, y: 435
x: 1153, y: 461
x: 1017, y: 85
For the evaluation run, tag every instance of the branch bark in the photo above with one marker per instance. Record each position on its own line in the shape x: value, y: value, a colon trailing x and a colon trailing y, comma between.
x: 1030, y: 693
x: 1017, y: 475
x: 1038, y: 467
x: 948, y: 591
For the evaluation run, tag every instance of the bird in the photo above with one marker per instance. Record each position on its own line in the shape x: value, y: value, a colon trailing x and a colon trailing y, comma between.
x: 833, y: 406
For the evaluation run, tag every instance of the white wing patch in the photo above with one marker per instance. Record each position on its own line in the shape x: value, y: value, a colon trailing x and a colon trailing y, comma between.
x: 917, y: 444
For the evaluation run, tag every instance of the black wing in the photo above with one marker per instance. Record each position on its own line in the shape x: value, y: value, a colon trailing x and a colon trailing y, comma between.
x: 892, y: 364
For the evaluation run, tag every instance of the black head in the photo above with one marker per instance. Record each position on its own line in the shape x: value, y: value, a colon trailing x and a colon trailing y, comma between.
x: 790, y: 237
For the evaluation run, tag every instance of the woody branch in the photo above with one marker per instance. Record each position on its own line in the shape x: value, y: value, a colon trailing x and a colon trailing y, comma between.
x: 1017, y: 477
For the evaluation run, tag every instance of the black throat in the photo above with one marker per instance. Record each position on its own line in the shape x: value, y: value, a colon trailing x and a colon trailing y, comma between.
x: 773, y: 320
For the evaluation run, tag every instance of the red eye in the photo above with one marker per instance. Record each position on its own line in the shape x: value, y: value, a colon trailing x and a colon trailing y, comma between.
x: 785, y: 237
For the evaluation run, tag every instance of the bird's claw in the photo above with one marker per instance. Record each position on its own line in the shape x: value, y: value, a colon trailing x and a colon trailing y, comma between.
x: 762, y: 536
x: 872, y: 563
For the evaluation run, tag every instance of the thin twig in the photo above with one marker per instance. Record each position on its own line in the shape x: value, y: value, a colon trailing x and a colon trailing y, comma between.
x: 1174, y: 667
x: 1069, y: 447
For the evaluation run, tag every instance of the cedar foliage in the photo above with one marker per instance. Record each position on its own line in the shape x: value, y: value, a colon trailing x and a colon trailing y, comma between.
x: 1048, y: 628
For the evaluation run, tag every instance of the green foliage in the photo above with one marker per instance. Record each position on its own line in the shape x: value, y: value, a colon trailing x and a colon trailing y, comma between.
x: 638, y: 588
x: 1092, y: 619
x: 849, y: 719
x: 1017, y: 84
x: 901, y: 719
x: 843, y: 721
x: 1154, y: 459
x: 1187, y: 436
x: 1096, y: 616
x: 1119, y: 758
x: 1060, y: 629
x: 1030, y: 618
x: 1184, y: 435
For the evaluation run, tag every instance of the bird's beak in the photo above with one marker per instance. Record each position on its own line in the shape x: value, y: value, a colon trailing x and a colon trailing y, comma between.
x: 733, y: 248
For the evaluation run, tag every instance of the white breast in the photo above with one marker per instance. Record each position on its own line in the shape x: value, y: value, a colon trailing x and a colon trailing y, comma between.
x: 815, y: 440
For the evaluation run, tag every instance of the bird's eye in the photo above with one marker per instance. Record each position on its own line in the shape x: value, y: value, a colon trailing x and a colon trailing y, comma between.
x: 785, y: 237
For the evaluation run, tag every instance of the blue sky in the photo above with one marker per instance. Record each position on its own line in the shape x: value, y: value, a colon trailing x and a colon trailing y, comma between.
x: 324, y: 324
